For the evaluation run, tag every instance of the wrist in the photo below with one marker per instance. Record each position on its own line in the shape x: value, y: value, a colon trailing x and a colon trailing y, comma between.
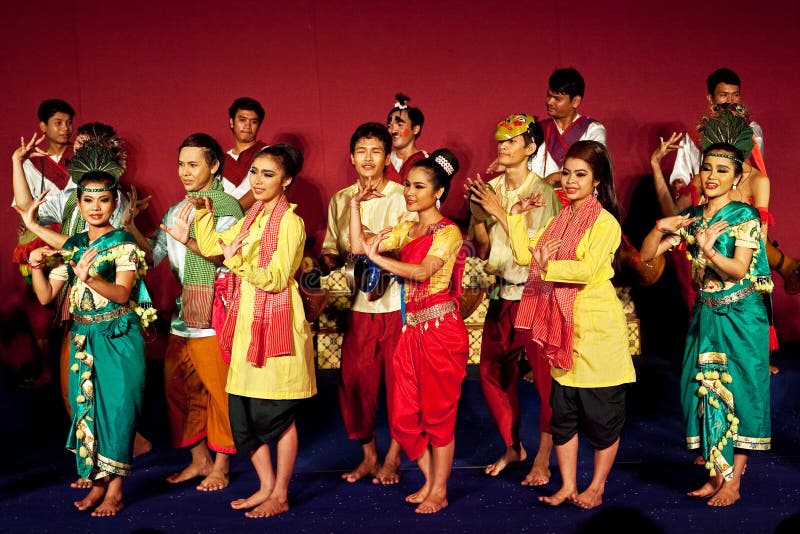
x: 659, y: 228
x: 710, y: 254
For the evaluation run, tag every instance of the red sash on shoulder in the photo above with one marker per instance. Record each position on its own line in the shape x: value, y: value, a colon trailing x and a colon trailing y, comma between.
x: 400, y: 177
x: 557, y: 144
x: 55, y: 171
x: 235, y: 170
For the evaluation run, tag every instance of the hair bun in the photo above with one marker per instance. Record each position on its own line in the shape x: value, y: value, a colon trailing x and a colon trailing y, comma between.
x: 402, y: 101
x: 446, y: 161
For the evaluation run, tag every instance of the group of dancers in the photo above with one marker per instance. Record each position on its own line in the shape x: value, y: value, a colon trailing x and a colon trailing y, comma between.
x: 239, y: 358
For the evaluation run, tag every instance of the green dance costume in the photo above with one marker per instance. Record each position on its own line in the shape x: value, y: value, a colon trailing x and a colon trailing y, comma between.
x: 725, y: 379
x: 106, y: 380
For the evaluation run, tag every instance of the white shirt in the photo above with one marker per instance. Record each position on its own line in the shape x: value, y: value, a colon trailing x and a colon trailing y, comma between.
x: 544, y: 165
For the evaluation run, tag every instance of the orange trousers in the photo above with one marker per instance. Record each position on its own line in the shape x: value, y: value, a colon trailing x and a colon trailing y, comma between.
x: 197, y: 404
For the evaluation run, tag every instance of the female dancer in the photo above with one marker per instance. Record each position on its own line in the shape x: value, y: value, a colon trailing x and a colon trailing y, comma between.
x: 430, y: 360
x: 272, y: 360
x: 574, y: 316
x: 725, y: 378
x: 106, y: 381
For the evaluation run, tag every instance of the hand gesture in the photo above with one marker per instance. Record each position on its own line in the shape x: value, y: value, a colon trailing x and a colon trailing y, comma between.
x: 38, y: 255
x: 28, y: 149
x: 368, y: 193
x: 135, y: 207
x: 372, y: 246
x: 201, y: 202
x: 706, y: 237
x: 495, y: 167
x: 524, y: 205
x: 671, y: 225
x: 234, y: 247
x: 30, y: 216
x: 478, y: 191
x: 665, y: 147
x: 83, y: 266
x: 543, y: 254
x: 180, y: 226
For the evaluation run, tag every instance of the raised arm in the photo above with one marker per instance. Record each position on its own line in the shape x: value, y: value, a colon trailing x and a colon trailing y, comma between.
x: 26, y: 149
x: 664, y: 195
x: 30, y: 217
x: 358, y: 233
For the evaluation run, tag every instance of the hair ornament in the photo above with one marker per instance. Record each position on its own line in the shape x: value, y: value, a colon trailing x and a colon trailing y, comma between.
x: 726, y: 156
x: 401, y: 101
x: 444, y: 164
x: 727, y: 123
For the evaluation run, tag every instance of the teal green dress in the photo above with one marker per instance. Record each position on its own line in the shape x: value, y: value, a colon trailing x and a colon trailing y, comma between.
x: 725, y: 378
x: 107, y: 364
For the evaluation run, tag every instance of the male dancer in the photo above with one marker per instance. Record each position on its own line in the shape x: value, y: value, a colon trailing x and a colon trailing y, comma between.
x: 246, y: 116
x: 405, y: 126
x: 564, y: 125
x: 518, y: 139
x: 373, y: 326
x: 194, y: 370
x: 38, y: 171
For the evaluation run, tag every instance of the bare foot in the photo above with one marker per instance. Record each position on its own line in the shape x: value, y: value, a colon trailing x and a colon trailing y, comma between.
x: 253, y: 500
x: 368, y: 466
x: 270, y: 507
x: 560, y: 496
x: 141, y: 445
x: 588, y: 498
x: 190, y: 472
x: 81, y: 483
x: 773, y: 369
x: 97, y: 492
x: 510, y: 456
x: 432, y: 504
x: 389, y: 473
x: 420, y: 495
x: 727, y: 494
x: 216, y: 480
x: 111, y: 505
x: 539, y: 475
x: 706, y: 490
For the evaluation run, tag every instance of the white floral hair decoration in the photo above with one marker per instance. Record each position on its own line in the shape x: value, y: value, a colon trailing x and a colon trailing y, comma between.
x: 444, y: 164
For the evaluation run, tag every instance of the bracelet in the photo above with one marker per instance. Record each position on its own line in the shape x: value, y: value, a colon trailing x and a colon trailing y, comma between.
x: 712, y: 255
x: 35, y: 265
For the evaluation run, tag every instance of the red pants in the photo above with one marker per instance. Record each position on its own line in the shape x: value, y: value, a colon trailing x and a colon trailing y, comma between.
x: 367, y: 348
x: 501, y: 347
x: 429, y: 365
x: 197, y: 404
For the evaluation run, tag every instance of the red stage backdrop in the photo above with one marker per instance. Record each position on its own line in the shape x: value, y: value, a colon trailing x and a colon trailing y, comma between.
x: 161, y: 70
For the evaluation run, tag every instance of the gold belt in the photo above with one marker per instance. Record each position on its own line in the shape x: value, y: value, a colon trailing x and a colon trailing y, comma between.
x: 100, y: 317
x: 432, y: 312
x: 712, y: 302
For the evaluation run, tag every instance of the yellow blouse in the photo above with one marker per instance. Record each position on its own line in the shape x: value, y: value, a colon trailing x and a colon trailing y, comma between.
x: 282, y: 377
x: 600, y: 342
x: 445, y: 246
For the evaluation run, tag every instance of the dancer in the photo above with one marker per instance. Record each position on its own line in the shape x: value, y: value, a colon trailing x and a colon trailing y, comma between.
x: 373, y: 325
x: 246, y: 115
x: 725, y: 378
x: 195, y: 370
x: 272, y: 359
x: 430, y: 360
x: 519, y: 138
x: 573, y: 314
x: 106, y: 382
x: 405, y: 126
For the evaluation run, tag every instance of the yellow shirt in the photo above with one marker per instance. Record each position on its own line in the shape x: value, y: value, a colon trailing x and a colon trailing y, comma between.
x: 282, y: 377
x: 600, y: 343
x: 376, y: 214
x: 445, y: 246
x: 501, y: 260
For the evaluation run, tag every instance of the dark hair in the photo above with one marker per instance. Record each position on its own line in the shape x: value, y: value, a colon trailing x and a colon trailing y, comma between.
x: 288, y: 158
x: 415, y: 116
x: 439, y: 174
x: 534, y: 134
x: 50, y: 107
x: 98, y: 177
x: 567, y: 82
x: 597, y: 157
x: 730, y: 149
x: 96, y: 130
x: 721, y: 76
x: 248, y: 104
x: 369, y: 130
x: 213, y: 152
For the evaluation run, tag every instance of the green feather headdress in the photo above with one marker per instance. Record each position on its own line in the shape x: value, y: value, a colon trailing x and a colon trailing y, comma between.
x: 98, y: 154
x: 727, y: 125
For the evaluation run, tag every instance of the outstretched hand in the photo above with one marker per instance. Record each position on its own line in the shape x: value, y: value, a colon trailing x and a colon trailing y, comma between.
x: 478, y: 191
x: 233, y: 248
x: 29, y: 149
x: 706, y: 237
x: 201, y: 202
x: 368, y: 193
x: 30, y: 215
x: 671, y: 225
x: 543, y: 254
x: 526, y: 204
x: 179, y: 231
x: 136, y: 205
x: 372, y: 245
x: 83, y: 266
x: 665, y: 147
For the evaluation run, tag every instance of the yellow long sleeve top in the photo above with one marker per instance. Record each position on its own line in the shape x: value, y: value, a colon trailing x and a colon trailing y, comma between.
x: 600, y: 343
x: 282, y: 377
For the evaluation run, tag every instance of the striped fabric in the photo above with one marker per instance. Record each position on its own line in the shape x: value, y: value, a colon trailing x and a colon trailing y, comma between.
x: 271, y: 329
x: 547, y: 308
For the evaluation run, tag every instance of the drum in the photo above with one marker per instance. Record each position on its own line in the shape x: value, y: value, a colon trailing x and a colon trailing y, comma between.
x: 477, y: 211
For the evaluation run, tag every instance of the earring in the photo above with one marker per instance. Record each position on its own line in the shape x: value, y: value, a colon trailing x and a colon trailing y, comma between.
x: 438, y: 204
x: 595, y: 192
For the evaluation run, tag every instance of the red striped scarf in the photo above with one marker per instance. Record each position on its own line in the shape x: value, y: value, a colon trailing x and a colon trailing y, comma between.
x: 271, y: 330
x: 547, y: 308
